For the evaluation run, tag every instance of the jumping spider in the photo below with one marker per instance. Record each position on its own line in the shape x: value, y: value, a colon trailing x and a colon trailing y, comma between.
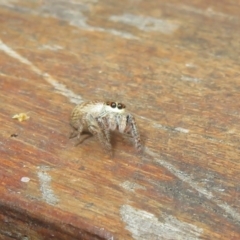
x: 99, y: 118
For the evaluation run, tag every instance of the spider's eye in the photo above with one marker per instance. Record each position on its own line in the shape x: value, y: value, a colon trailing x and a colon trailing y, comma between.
x: 113, y: 104
x: 123, y: 106
x: 108, y: 103
x: 120, y: 106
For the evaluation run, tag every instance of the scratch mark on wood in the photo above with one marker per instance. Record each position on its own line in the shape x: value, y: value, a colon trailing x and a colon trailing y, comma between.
x: 166, y: 128
x: 209, y: 12
x: 51, y: 47
x: 157, y: 125
x: 145, y: 225
x: 190, y: 79
x: 61, y: 88
x: 131, y: 186
x: 182, y: 130
x: 147, y: 24
x: 114, y: 32
x: 186, y: 178
x: 45, y: 187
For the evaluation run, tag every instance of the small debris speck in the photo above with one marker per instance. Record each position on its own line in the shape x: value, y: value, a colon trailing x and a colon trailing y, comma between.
x: 21, y: 117
x: 14, y: 135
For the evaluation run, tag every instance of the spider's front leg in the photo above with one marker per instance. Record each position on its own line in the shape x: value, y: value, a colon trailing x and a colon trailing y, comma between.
x: 76, y: 131
x: 73, y: 134
x: 99, y: 129
x: 131, y: 127
x: 104, y: 125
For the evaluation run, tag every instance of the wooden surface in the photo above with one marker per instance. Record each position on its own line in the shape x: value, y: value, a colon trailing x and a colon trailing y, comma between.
x: 175, y: 64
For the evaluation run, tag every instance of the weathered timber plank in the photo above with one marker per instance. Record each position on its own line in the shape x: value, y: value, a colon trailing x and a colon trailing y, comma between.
x: 176, y: 67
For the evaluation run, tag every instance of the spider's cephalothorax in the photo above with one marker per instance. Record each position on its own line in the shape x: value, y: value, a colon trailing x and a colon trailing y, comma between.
x: 99, y: 118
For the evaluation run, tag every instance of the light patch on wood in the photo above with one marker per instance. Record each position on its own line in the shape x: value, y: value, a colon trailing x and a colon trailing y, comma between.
x: 145, y: 23
x: 8, y: 3
x: 25, y: 179
x: 190, y: 65
x: 131, y: 186
x: 146, y: 226
x: 59, y: 87
x: 45, y: 187
x: 186, y: 178
x: 75, y: 14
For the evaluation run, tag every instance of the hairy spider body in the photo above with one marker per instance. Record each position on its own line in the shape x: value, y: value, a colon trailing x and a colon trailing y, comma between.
x: 99, y: 118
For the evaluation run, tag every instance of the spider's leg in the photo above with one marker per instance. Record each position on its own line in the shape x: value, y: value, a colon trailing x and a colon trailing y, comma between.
x: 101, y: 137
x: 99, y: 129
x: 83, y: 138
x: 123, y: 125
x: 112, y: 122
x: 73, y: 134
x: 107, y: 134
x: 78, y: 133
x: 77, y: 130
x: 104, y: 125
x: 134, y: 132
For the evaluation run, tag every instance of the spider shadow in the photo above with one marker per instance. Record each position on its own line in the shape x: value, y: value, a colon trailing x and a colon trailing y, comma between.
x: 116, y: 137
x: 84, y: 136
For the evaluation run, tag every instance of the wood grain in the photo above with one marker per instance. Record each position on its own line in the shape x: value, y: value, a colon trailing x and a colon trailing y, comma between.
x: 176, y: 67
